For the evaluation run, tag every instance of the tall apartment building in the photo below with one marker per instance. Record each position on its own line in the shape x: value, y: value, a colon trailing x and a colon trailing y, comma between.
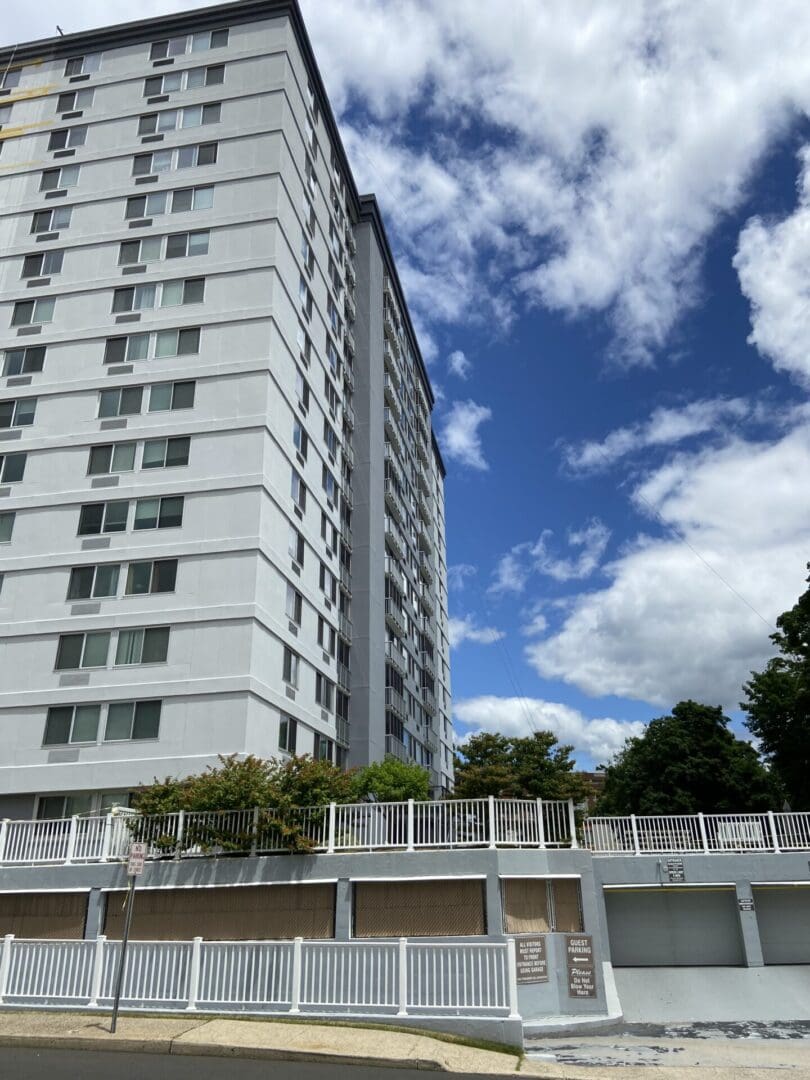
x: 221, y: 501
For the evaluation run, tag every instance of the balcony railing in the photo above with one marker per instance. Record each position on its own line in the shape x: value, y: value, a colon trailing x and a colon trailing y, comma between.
x: 409, y: 826
x: 697, y: 833
x: 396, y: 657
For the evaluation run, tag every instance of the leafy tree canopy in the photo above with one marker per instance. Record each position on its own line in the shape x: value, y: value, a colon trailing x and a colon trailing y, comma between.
x: 392, y: 780
x: 778, y: 704
x: 528, y: 768
x: 686, y: 763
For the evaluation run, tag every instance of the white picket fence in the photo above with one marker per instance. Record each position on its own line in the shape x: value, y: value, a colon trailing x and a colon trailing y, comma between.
x: 399, y: 978
x: 403, y: 826
x: 697, y: 834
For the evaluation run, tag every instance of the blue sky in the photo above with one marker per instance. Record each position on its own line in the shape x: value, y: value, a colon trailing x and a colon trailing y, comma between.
x: 601, y: 213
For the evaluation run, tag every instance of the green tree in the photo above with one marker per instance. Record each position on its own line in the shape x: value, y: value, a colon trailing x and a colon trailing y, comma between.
x: 778, y: 704
x: 392, y: 780
x: 686, y: 763
x: 529, y: 768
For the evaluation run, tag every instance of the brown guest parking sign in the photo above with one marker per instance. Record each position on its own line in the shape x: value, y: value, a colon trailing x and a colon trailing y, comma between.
x: 579, y: 961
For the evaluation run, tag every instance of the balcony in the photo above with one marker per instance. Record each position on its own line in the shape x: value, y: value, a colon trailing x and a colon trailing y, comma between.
x: 348, y: 494
x: 344, y: 677
x: 392, y: 396
x: 342, y: 731
x: 421, y: 450
x: 349, y: 308
x: 391, y: 330
x: 348, y: 413
x: 394, y: 617
x: 425, y: 568
x: 392, y: 430
x: 395, y: 748
x: 351, y: 243
x: 426, y: 596
x: 423, y: 507
x: 345, y: 626
x: 396, y: 658
x: 395, y: 702
x: 348, y: 376
x: 429, y: 700
x: 345, y: 578
x: 426, y: 628
x: 346, y: 532
x: 393, y: 501
x: 348, y: 454
x: 348, y: 341
x: 348, y: 269
x: 432, y: 741
x: 428, y: 662
x: 393, y: 537
x: 391, y: 364
x: 394, y: 571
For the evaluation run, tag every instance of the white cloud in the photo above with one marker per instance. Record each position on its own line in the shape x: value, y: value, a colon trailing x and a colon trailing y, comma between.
x: 667, y: 627
x: 513, y: 570
x: 465, y: 629
x: 460, y: 438
x: 589, y: 190
x: 665, y: 427
x: 515, y: 717
x: 457, y: 575
x: 591, y: 541
x: 773, y: 264
x: 459, y: 365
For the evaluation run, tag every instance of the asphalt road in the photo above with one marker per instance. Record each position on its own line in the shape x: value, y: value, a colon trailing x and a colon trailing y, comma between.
x: 22, y: 1064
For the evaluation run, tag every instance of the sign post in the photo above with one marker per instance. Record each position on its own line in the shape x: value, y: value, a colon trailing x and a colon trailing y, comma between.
x: 137, y: 856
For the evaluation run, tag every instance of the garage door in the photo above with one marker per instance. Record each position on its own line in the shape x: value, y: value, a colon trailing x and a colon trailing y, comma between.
x: 43, y: 915
x: 247, y: 912
x: 783, y: 914
x: 663, y: 927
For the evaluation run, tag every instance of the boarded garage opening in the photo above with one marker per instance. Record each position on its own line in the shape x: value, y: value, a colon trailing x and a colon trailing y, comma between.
x: 661, y: 927
x: 452, y: 908
x: 43, y: 915
x: 783, y: 915
x: 244, y: 913
x: 541, y: 905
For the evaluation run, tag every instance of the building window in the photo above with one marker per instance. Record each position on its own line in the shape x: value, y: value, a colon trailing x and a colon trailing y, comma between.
x: 304, y: 345
x: 171, y: 119
x: 291, y: 665
x: 305, y: 298
x: 167, y: 396
x: 164, y: 343
x: 83, y: 65
x: 125, y: 401
x: 295, y: 546
x: 330, y: 438
x: 166, y: 294
x: 132, y: 720
x: 45, y: 221
x: 196, y: 198
x: 165, y: 453
x: 192, y: 79
x: 24, y: 361
x: 140, y: 251
x: 10, y: 78
x: 59, y: 179
x: 287, y: 732
x: 111, y: 458
x: 82, y: 650
x: 43, y: 264
x: 329, y: 484
x: 7, y: 526
x: 324, y: 691
x: 63, y: 138
x: 151, y: 205
x: 87, y: 582
x: 163, y: 513
x: 67, y: 724
x: 326, y: 636
x: 182, y: 245
x: 103, y: 517
x: 177, y: 46
x: 183, y: 157
x: 12, y: 468
x: 73, y: 100
x: 300, y: 439
x: 298, y: 490
x: 323, y: 749
x: 152, y: 576
x: 302, y: 390
x: 144, y: 645
x: 17, y: 413
x: 328, y: 583
x: 33, y: 312
x: 294, y: 604
x: 307, y: 254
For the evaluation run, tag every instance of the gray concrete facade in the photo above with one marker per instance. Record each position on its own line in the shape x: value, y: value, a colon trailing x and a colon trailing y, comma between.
x: 277, y: 386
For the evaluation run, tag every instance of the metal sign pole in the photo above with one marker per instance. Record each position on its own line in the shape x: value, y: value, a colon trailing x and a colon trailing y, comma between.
x: 137, y: 854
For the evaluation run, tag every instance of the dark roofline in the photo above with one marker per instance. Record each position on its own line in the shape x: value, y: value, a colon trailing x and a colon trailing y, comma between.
x: 365, y: 207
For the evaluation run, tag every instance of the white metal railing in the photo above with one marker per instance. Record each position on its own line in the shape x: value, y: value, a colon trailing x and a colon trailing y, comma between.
x: 395, y: 977
x: 697, y: 833
x: 333, y: 827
